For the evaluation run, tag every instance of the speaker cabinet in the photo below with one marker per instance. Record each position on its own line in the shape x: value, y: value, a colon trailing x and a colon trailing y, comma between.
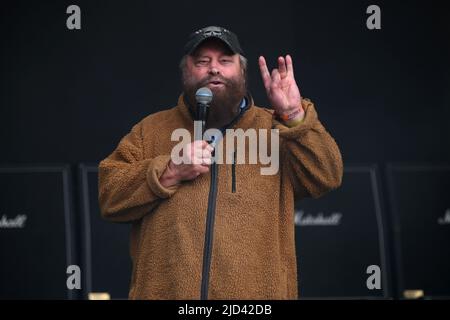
x: 340, y: 242
x: 420, y: 198
x: 36, y: 232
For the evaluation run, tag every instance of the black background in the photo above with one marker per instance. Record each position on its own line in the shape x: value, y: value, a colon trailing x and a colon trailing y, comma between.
x: 70, y: 95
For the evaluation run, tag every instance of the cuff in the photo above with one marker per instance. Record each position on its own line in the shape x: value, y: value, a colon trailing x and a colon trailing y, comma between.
x: 155, y: 170
x: 309, y: 121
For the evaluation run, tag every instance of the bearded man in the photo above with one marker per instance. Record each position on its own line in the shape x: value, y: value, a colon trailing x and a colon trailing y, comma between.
x: 204, y: 230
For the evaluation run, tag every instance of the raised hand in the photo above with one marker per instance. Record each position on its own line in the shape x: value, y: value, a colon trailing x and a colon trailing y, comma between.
x: 281, y: 88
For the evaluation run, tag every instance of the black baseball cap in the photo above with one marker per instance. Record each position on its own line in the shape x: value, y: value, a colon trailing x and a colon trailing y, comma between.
x: 199, y: 36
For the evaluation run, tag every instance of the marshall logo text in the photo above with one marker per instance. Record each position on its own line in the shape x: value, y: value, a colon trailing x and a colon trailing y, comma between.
x: 445, y: 219
x: 14, y: 223
x: 305, y: 220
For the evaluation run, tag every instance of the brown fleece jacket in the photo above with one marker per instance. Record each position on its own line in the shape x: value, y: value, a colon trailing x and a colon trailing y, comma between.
x: 253, y: 244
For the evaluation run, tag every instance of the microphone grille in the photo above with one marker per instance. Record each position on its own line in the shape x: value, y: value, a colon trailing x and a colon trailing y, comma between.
x: 204, y: 96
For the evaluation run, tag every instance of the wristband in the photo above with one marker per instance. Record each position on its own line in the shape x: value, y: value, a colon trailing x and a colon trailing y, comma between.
x: 287, y: 117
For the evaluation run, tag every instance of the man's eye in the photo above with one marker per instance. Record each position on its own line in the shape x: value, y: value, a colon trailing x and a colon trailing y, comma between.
x: 202, y: 62
x: 226, y: 61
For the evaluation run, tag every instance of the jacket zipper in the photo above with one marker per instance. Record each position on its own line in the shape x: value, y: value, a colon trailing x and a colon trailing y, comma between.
x: 210, y: 215
x: 233, y: 173
x: 207, y: 250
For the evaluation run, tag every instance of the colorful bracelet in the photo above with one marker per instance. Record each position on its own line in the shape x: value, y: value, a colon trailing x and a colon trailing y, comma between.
x: 287, y: 119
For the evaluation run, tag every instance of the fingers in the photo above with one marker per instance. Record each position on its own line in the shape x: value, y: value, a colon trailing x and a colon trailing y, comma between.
x: 205, y: 161
x: 289, y: 65
x: 201, y: 144
x: 194, y: 172
x: 285, y: 69
x: 282, y: 67
x: 265, y: 75
x: 209, y: 148
x: 201, y: 170
x: 201, y: 153
x: 285, y: 66
x: 203, y: 158
x: 198, y: 160
x: 197, y: 147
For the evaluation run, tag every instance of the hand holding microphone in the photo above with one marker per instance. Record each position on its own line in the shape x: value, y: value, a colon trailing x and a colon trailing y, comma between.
x: 198, y: 153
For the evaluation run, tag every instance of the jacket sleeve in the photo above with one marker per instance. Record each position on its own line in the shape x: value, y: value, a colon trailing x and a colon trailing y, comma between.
x: 310, y: 155
x: 128, y: 183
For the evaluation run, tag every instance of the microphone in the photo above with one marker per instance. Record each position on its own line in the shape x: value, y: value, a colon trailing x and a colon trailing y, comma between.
x: 204, y: 97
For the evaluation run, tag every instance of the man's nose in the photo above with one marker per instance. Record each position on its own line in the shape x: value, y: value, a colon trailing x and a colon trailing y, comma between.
x: 213, y: 69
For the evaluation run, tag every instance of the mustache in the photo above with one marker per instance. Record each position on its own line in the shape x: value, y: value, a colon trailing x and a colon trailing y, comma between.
x: 219, y: 78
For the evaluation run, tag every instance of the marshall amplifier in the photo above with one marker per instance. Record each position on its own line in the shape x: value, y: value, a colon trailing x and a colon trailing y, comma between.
x: 106, y: 257
x: 420, y: 199
x: 36, y: 232
x: 340, y: 242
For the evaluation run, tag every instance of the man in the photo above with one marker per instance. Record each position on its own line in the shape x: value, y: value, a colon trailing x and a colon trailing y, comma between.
x: 208, y: 230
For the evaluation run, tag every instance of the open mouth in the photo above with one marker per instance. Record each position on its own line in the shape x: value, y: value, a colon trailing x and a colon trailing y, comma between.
x: 216, y: 83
